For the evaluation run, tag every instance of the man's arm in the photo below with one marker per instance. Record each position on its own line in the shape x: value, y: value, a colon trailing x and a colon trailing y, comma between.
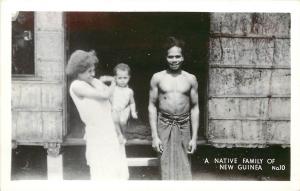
x: 153, y: 96
x: 194, y: 113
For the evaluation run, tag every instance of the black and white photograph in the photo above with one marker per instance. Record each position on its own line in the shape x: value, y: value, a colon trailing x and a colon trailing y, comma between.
x: 150, y: 96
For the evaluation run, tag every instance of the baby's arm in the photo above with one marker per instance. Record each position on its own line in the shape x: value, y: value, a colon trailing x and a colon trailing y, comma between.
x: 132, y: 105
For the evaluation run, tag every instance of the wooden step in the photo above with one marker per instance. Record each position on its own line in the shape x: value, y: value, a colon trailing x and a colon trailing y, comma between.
x: 134, y: 162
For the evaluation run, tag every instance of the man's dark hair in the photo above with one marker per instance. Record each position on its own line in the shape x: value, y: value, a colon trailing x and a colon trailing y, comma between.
x: 173, y: 41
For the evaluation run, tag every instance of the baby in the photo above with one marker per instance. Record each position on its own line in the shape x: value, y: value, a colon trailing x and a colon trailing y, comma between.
x: 123, y: 103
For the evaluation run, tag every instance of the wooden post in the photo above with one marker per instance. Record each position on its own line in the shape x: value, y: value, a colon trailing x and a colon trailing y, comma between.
x: 49, y: 54
x: 54, y: 161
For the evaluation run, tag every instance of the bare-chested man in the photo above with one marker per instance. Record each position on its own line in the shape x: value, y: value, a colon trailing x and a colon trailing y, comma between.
x: 173, y: 113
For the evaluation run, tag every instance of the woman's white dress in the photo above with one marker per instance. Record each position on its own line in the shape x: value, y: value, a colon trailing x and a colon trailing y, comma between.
x: 104, y: 154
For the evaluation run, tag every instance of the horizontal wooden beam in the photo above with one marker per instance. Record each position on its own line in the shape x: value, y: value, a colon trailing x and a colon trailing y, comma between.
x: 251, y: 119
x: 34, y: 80
x: 80, y: 142
x: 250, y: 96
x: 229, y: 143
x: 37, y: 109
x: 249, y: 66
x: 26, y: 77
x: 229, y: 35
x: 33, y: 143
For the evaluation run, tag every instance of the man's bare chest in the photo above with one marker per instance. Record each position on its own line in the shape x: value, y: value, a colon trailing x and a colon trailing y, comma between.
x: 174, y: 84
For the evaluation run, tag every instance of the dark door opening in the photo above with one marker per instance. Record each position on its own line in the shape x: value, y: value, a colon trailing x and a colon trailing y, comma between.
x: 136, y: 39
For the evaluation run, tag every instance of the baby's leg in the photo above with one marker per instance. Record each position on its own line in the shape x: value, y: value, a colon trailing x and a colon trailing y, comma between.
x: 124, y: 116
x: 116, y: 119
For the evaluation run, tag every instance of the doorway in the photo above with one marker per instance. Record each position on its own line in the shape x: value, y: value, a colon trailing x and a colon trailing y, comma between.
x: 136, y: 38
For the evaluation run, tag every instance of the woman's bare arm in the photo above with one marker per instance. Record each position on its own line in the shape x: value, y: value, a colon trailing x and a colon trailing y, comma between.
x: 107, y: 78
x: 83, y: 89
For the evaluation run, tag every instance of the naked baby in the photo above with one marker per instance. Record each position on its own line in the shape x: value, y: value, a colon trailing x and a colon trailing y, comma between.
x: 123, y: 103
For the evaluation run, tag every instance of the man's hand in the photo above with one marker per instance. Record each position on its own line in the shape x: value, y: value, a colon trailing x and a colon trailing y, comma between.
x: 192, y: 146
x: 156, y: 144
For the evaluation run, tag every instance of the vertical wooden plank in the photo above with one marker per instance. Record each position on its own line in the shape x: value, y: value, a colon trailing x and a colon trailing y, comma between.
x: 50, y: 65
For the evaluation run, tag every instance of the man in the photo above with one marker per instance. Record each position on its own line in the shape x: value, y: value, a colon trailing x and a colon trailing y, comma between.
x: 173, y: 109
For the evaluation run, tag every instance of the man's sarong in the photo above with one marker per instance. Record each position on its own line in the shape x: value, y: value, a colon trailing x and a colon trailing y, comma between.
x: 175, y: 134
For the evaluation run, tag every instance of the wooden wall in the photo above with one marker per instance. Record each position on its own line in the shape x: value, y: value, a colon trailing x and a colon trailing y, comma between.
x: 249, y: 79
x: 38, y: 100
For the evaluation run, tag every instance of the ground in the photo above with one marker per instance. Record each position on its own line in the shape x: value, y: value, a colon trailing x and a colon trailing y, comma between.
x: 29, y: 162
